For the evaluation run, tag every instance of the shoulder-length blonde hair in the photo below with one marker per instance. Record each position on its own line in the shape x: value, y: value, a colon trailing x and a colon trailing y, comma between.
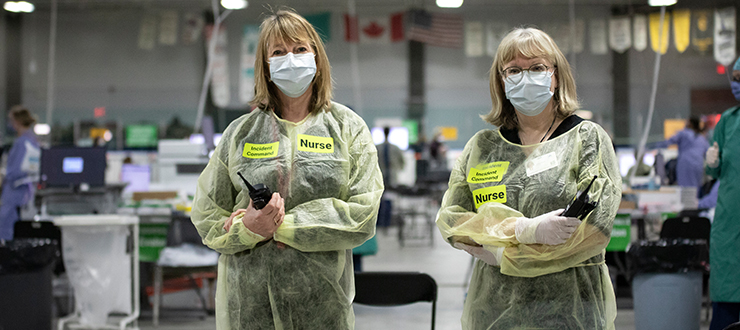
x: 529, y: 43
x: 287, y: 25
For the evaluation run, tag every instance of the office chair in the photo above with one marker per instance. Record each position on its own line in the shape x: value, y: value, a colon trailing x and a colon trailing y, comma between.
x: 180, y: 231
x: 691, y: 227
x: 395, y: 288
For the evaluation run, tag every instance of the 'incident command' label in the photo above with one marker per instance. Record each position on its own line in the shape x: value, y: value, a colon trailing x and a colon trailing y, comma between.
x: 489, y: 194
x: 310, y: 143
x: 491, y: 172
x: 256, y: 151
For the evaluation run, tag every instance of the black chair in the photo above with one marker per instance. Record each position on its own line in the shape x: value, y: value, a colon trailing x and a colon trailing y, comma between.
x: 180, y: 231
x: 691, y: 227
x: 395, y: 289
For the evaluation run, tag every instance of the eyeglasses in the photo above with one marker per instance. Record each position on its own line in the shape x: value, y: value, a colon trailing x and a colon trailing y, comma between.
x: 514, y: 74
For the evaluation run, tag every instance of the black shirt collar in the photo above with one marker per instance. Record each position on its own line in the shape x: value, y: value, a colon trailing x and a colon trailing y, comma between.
x: 568, y: 123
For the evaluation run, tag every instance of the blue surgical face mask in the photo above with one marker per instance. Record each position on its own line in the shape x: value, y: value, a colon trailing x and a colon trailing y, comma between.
x: 293, y: 73
x: 532, y: 94
x: 735, y: 85
x: 10, y: 127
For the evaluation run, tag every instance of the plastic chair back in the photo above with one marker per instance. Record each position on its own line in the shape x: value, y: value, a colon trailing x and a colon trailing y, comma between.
x: 686, y: 227
x: 395, y: 288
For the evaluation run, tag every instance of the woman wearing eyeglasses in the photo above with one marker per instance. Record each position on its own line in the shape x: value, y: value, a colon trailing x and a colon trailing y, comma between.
x: 721, y: 158
x: 535, y: 268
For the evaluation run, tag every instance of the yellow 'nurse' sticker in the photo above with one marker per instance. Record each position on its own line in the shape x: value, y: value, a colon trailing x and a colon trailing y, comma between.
x: 310, y: 143
x: 489, y: 194
x: 491, y: 172
x: 257, y: 151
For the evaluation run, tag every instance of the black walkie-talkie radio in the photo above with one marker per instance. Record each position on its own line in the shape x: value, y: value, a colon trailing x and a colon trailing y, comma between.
x: 580, y: 207
x: 259, y: 194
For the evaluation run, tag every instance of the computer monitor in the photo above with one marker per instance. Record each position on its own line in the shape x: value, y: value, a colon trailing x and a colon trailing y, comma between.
x: 141, y: 136
x: 71, y: 166
x: 398, y: 136
x: 137, y: 177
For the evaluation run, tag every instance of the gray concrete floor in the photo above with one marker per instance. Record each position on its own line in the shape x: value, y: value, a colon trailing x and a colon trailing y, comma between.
x: 446, y: 265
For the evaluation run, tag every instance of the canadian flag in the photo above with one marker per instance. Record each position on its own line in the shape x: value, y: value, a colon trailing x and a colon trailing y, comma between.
x: 374, y: 30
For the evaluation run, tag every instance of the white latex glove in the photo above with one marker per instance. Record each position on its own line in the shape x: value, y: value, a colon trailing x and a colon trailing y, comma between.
x: 493, y: 259
x: 549, y: 228
x: 712, y: 156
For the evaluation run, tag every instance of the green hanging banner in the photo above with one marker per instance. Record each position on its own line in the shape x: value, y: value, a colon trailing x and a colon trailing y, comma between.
x: 322, y: 23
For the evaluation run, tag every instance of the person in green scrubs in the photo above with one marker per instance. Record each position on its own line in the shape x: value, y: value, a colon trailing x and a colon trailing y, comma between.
x: 724, y: 252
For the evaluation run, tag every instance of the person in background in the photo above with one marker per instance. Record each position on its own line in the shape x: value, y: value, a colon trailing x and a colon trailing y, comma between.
x: 536, y: 269
x: 390, y: 159
x: 692, y: 145
x: 722, y: 163
x: 22, y: 171
x: 438, y: 152
x: 289, y: 265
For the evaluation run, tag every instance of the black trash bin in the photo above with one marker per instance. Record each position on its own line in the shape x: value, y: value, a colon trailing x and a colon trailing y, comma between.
x: 667, y: 282
x: 26, y: 268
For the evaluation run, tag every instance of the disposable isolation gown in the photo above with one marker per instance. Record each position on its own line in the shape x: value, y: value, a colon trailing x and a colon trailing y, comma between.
x: 326, y: 169
x: 18, y: 185
x: 724, y: 258
x: 537, y: 286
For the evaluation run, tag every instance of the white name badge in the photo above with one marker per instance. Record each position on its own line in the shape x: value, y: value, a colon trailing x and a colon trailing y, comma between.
x: 541, y: 163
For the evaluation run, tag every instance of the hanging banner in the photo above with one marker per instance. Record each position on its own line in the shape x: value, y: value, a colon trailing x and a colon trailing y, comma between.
x: 597, y: 28
x: 495, y: 32
x: 250, y: 38
x: 560, y: 33
x: 681, y: 29
x: 702, y: 32
x: 168, y: 28
x: 474, y: 39
x: 639, y: 32
x: 724, y: 35
x: 220, y: 75
x: 192, y: 28
x: 620, y: 34
x: 661, y: 44
x: 322, y: 24
x: 148, y: 32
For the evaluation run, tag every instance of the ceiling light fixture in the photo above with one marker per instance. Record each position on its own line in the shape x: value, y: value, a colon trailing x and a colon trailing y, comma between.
x: 19, y: 6
x: 658, y: 3
x: 234, y: 4
x: 449, y: 3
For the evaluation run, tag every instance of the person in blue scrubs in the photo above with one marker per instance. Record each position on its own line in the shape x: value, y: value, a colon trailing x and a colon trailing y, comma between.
x: 692, y: 145
x: 22, y: 171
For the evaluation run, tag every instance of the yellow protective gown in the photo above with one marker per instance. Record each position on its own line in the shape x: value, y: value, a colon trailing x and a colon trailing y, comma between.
x: 326, y: 169
x: 537, y: 286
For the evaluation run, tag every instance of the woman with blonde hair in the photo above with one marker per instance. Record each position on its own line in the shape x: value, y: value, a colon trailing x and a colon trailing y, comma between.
x: 536, y: 268
x: 288, y: 264
x: 22, y: 170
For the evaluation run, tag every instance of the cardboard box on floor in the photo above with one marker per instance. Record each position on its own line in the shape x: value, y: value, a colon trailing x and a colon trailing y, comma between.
x: 142, y: 195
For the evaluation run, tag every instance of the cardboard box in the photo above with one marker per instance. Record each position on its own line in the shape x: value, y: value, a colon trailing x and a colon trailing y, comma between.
x: 142, y: 195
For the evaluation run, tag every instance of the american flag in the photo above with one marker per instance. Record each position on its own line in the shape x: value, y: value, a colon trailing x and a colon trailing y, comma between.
x: 444, y: 30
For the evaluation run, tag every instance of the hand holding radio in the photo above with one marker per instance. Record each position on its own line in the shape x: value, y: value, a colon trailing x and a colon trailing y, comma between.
x: 265, y: 212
